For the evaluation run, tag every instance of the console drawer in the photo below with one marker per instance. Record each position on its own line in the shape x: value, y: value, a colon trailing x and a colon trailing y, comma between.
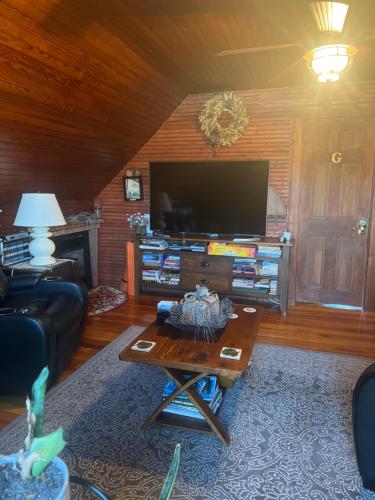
x: 214, y: 282
x: 193, y: 263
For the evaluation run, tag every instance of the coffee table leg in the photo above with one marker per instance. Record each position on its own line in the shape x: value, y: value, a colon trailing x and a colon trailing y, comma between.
x: 177, y: 376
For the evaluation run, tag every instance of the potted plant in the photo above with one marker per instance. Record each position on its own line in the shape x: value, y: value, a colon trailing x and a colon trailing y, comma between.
x: 35, y: 471
x: 138, y: 223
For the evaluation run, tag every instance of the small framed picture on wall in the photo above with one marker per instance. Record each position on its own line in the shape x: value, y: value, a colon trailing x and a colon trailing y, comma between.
x: 133, y: 188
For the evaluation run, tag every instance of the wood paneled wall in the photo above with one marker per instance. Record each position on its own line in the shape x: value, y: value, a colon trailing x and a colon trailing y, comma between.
x: 271, y: 135
x: 75, y: 101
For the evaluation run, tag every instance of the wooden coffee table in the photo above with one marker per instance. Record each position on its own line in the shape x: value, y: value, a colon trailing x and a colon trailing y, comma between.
x: 178, y: 353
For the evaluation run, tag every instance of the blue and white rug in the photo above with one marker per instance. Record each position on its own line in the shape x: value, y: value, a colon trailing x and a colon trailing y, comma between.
x: 289, y: 419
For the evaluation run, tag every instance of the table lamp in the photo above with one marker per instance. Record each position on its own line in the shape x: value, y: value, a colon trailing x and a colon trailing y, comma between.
x: 39, y: 211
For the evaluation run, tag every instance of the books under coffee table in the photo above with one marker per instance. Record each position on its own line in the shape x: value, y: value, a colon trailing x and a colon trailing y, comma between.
x: 189, y: 364
x: 208, y: 389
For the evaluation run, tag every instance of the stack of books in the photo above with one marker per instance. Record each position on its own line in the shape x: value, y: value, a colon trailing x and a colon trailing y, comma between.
x: 269, y: 268
x: 171, y: 262
x: 153, y: 244
x: 269, y: 251
x: 243, y: 283
x: 273, y: 287
x: 169, y: 278
x: 151, y: 259
x: 193, y: 246
x: 245, y: 267
x: 231, y: 249
x: 14, y: 248
x: 208, y: 388
x: 262, y: 285
x: 150, y: 275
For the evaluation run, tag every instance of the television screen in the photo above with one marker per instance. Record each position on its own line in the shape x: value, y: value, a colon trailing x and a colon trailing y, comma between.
x: 225, y: 197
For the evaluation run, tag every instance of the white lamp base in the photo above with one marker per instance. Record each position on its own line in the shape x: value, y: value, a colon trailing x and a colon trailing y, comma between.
x: 41, y: 247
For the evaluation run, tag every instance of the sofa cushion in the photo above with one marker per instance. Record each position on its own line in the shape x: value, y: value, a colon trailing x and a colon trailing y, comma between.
x: 4, y: 286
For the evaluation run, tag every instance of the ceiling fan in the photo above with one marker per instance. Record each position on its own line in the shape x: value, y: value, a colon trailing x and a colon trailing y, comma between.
x: 329, y: 60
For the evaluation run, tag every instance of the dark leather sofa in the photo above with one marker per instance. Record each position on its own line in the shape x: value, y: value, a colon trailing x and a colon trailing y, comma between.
x: 41, y: 322
x: 364, y: 426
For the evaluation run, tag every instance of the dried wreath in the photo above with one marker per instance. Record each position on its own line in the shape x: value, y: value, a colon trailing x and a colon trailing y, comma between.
x: 214, y: 109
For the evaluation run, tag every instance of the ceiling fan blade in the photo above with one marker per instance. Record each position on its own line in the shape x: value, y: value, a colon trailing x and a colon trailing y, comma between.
x: 279, y: 76
x: 256, y: 49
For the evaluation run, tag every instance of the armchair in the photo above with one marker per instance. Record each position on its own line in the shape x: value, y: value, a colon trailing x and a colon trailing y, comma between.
x: 41, y: 322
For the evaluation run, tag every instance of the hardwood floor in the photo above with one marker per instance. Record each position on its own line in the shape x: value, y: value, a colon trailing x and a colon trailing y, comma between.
x: 306, y: 326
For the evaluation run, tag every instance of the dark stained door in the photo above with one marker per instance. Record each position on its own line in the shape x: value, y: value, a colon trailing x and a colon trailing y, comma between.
x: 335, y: 195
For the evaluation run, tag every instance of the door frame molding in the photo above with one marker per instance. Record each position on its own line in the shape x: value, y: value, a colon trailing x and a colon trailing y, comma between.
x: 369, y: 285
x: 293, y: 202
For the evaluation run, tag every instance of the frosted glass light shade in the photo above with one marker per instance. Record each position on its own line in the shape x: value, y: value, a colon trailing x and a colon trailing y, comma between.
x: 39, y: 210
x: 329, y: 61
x: 329, y: 16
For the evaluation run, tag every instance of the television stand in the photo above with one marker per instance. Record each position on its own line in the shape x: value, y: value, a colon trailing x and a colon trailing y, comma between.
x: 246, y: 271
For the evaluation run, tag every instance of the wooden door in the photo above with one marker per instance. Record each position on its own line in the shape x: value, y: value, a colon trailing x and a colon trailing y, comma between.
x: 336, y: 186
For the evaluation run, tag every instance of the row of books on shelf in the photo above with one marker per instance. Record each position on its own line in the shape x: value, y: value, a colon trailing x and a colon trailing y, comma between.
x: 153, y: 244
x: 165, y: 277
x: 244, y: 251
x: 167, y: 261
x: 193, y: 246
x: 176, y: 245
x: 214, y: 248
x: 252, y: 267
x: 269, y: 251
x: 266, y: 286
x: 207, y: 387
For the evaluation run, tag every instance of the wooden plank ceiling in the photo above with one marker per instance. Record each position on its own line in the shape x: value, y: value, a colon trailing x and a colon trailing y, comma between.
x: 85, y: 83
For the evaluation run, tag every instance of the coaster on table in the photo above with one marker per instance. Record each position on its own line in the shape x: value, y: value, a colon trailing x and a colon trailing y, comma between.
x: 249, y: 309
x: 233, y: 316
x: 230, y: 353
x: 143, y: 345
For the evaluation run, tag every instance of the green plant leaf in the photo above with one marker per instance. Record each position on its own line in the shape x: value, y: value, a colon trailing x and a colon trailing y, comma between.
x: 38, y: 393
x: 171, y: 476
x: 47, y: 447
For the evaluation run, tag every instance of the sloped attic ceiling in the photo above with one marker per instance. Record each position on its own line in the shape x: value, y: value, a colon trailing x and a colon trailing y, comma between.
x: 85, y: 83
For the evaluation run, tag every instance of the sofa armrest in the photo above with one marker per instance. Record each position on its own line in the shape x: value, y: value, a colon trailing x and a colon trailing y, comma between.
x: 23, y: 281
x: 47, y: 286
x: 27, y: 344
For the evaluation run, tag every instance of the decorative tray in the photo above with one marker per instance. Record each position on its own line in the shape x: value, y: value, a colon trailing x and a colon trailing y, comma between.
x: 195, y: 328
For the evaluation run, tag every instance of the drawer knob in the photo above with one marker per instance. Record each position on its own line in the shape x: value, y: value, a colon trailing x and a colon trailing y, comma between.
x: 205, y: 263
x: 205, y: 282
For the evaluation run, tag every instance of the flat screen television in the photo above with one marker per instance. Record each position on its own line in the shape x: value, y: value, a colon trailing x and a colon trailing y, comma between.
x: 225, y: 197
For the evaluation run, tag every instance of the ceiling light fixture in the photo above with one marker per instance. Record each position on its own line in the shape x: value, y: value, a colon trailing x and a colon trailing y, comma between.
x: 328, y: 62
x: 329, y: 16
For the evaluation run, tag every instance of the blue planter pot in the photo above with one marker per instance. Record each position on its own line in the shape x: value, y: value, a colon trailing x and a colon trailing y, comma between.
x: 64, y: 493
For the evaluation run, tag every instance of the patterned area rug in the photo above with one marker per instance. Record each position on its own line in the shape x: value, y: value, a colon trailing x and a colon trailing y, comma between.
x: 105, y: 298
x: 289, y: 418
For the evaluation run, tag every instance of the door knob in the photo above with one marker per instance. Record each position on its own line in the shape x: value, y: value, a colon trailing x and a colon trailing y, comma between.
x: 362, y: 226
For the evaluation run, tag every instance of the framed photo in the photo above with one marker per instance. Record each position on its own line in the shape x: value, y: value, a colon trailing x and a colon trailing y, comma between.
x: 133, y: 188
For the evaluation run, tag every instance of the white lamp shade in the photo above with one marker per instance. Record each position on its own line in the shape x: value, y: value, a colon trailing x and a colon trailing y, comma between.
x: 39, y: 210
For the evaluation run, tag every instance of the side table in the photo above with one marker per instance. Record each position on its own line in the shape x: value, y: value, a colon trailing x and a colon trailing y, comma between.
x: 62, y: 267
